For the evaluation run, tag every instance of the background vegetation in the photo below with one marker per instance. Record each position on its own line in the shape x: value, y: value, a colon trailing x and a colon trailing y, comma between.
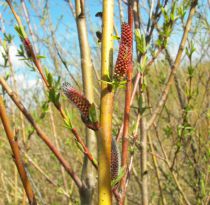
x: 177, y: 144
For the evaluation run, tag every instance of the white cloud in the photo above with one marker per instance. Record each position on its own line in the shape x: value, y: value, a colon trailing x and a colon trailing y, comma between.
x: 13, y: 51
x: 24, y: 82
x: 17, y: 63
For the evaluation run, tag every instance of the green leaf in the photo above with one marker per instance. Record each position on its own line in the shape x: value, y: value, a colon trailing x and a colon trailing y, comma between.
x: 60, y: 190
x: 92, y: 113
x: 50, y: 79
x: 57, y: 97
x: 181, y: 11
x: 203, y: 187
x: 7, y: 75
x: 21, y: 32
x: 67, y: 121
x: 141, y: 42
x: 4, y: 45
x: 8, y: 37
x: 51, y: 95
x: 119, y: 177
x: 39, y: 56
x: 168, y: 131
x: 58, y: 83
x: 190, y: 71
x: 21, y: 52
x: 45, y: 107
x: 116, y: 37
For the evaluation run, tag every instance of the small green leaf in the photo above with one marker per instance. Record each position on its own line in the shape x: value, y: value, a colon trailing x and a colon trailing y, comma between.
x: 141, y: 42
x: 119, y: 177
x: 45, y: 107
x: 51, y: 95
x: 116, y: 37
x: 92, y: 113
x: 49, y: 78
x: 7, y: 75
x: 8, y: 38
x: 20, y: 30
x: 67, y: 121
x: 58, y: 83
x: 60, y: 190
x: 39, y: 56
x: 57, y: 97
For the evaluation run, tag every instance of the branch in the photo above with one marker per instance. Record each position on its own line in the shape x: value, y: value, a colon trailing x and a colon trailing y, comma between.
x: 157, y: 172
x: 40, y: 133
x: 28, y: 45
x: 169, y: 167
x: 85, y: 149
x: 36, y: 61
x: 135, y: 137
x: 88, y: 88
x: 106, y: 110
x: 136, y: 83
x: 16, y: 154
x: 177, y: 83
x: 127, y: 110
x: 25, y: 10
x: 174, y: 67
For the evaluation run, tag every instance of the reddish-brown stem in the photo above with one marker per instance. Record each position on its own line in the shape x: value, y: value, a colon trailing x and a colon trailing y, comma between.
x: 27, y: 17
x: 127, y: 112
x: 85, y: 149
x: 16, y: 154
x: 40, y: 133
x: 136, y: 83
x: 150, y: 62
x: 30, y: 47
x: 36, y: 61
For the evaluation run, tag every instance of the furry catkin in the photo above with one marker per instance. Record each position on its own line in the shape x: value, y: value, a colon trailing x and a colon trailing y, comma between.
x: 124, y: 58
x: 82, y: 104
x: 77, y: 99
x: 115, y: 160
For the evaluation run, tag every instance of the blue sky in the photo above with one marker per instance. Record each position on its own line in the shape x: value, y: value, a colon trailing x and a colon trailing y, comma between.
x: 59, y: 9
x: 66, y: 32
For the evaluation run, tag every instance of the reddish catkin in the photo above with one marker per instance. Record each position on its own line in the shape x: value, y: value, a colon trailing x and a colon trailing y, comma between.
x: 124, y: 58
x: 82, y: 104
x: 126, y: 35
x: 115, y: 160
x: 77, y: 98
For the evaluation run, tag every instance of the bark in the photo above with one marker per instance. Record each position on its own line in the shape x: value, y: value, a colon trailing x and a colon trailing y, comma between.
x: 88, y: 171
x: 105, y: 132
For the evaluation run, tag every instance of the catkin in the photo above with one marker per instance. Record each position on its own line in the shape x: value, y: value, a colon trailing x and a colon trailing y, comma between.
x: 115, y: 160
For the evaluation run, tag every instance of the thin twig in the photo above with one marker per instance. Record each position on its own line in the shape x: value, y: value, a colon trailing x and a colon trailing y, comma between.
x: 169, y: 167
x: 16, y: 154
x: 85, y: 149
x: 135, y: 137
x: 25, y: 11
x: 174, y: 67
x: 37, y: 62
x: 31, y: 50
x: 40, y: 133
x: 157, y: 172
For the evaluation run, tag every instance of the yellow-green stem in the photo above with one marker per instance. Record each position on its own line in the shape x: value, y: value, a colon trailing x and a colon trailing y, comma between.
x: 105, y: 136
